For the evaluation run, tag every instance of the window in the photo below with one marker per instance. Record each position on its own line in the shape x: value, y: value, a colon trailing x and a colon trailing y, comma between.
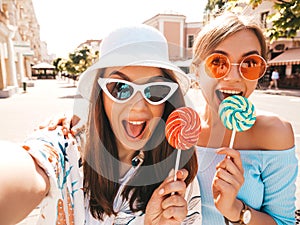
x: 263, y: 19
x: 279, y: 47
x: 190, y: 41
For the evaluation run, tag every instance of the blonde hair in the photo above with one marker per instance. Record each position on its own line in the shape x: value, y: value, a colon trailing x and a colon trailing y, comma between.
x: 218, y: 30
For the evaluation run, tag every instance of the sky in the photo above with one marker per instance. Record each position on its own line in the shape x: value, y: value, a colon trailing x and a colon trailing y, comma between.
x: 64, y: 24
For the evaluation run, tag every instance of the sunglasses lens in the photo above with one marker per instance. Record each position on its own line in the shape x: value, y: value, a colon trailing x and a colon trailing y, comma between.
x: 253, y: 67
x: 217, y: 65
x: 156, y: 93
x: 119, y: 90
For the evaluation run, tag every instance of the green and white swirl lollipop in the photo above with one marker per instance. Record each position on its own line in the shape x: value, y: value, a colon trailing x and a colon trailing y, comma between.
x: 237, y: 114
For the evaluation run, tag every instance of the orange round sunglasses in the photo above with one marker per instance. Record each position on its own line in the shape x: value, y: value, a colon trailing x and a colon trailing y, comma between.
x: 252, y: 67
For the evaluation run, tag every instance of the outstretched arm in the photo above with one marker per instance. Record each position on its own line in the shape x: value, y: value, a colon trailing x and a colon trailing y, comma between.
x: 23, y: 183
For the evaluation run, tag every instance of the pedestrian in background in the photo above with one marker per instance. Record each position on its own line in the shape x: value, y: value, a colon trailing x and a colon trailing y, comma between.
x: 123, y: 175
x: 274, y: 79
x: 256, y: 184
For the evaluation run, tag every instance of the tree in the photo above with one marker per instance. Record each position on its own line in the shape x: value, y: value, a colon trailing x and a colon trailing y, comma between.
x: 77, y: 63
x: 214, y: 5
x: 285, y: 21
x: 56, y: 63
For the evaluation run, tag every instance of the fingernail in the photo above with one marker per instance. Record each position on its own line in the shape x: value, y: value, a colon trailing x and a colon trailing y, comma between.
x: 179, y: 172
x: 218, y: 151
x: 161, y: 191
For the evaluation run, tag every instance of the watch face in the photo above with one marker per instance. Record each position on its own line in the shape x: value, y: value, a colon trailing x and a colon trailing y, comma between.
x: 247, y: 217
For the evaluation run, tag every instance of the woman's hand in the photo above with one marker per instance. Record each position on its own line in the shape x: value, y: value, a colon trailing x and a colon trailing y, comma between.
x: 165, y: 208
x: 227, y: 182
x: 67, y: 123
x: 53, y: 123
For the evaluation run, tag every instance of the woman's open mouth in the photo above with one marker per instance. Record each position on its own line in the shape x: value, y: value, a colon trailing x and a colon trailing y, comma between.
x: 222, y: 94
x: 134, y: 129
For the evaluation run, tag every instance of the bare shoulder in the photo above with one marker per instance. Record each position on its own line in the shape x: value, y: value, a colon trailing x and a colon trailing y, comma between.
x: 274, y: 133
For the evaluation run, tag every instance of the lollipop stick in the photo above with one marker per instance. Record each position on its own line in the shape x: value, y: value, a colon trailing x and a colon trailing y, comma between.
x: 231, y: 141
x: 232, y: 138
x: 177, y: 163
x: 176, y: 166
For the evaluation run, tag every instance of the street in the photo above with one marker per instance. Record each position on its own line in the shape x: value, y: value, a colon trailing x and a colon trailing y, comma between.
x: 287, y: 107
x: 23, y: 112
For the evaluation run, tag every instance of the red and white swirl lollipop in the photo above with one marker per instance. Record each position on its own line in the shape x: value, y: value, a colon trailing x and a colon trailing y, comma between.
x: 182, y: 130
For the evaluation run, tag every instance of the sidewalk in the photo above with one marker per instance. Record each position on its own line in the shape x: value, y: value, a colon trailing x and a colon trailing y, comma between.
x: 23, y: 112
x: 284, y: 92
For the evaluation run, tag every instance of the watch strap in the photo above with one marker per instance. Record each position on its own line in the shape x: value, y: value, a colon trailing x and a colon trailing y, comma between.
x: 233, y: 222
x: 240, y: 221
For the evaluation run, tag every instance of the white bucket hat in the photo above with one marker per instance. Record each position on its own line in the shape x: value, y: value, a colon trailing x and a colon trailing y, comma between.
x: 139, y: 45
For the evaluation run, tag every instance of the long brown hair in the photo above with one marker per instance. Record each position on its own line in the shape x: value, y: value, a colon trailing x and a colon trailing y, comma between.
x: 101, y: 172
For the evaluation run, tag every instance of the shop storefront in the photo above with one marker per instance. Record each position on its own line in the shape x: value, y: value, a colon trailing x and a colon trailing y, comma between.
x: 288, y: 65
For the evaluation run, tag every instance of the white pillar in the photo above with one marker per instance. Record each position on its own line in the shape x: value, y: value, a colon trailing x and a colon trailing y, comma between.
x: 21, y: 67
x: 2, y: 66
x: 12, y: 81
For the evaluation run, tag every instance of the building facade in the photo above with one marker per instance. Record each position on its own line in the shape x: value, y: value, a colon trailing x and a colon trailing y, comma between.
x: 179, y: 34
x: 20, y: 44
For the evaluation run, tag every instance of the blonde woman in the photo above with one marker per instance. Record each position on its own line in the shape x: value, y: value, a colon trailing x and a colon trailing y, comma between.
x: 256, y: 185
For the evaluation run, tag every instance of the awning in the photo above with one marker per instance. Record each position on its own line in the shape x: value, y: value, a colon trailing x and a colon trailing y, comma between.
x: 43, y: 65
x: 288, y: 57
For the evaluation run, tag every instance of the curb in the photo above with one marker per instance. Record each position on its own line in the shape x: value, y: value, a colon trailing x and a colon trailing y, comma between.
x: 283, y: 92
